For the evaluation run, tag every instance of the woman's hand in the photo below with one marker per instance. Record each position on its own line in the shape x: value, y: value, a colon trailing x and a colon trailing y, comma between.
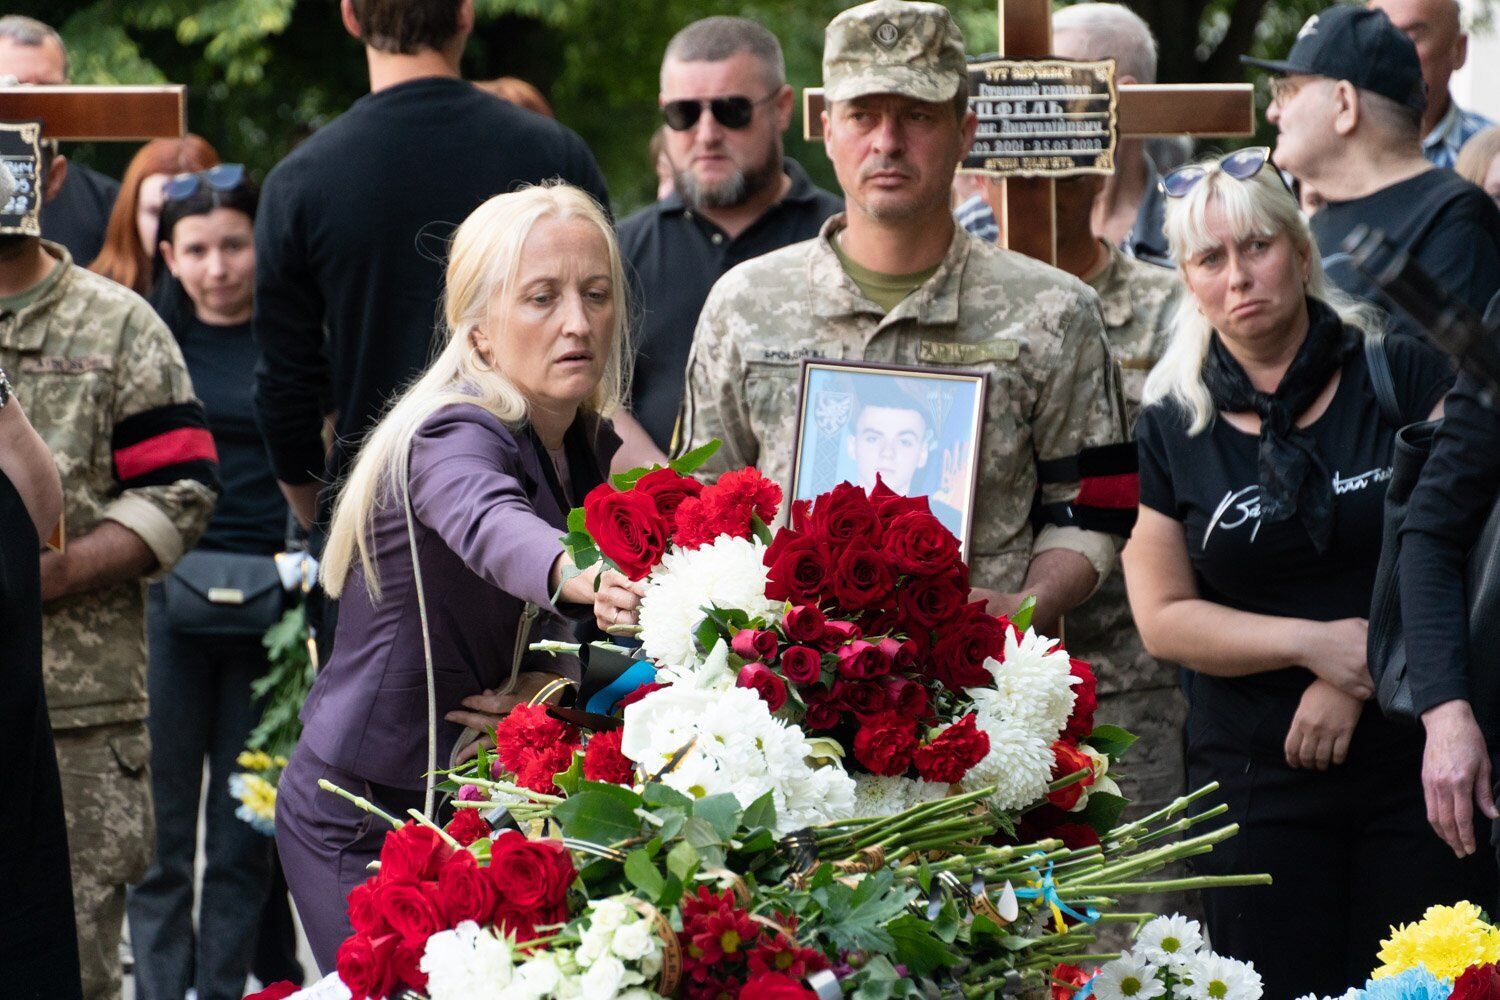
x: 1335, y: 652
x: 482, y: 712
x: 1323, y: 726
x: 617, y: 599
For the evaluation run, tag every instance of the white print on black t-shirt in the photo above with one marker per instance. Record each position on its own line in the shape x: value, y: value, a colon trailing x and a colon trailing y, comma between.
x: 1243, y: 505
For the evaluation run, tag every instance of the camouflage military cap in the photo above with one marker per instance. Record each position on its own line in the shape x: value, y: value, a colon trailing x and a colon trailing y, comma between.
x: 893, y: 47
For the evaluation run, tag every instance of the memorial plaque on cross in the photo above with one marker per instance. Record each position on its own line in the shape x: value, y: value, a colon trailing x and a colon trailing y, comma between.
x: 1142, y: 111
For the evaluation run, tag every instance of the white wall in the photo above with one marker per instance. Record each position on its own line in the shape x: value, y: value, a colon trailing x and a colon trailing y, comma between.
x: 1477, y: 85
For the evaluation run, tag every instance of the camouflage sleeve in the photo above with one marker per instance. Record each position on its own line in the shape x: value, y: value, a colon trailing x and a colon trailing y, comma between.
x: 713, y: 405
x: 1080, y: 406
x: 165, y: 463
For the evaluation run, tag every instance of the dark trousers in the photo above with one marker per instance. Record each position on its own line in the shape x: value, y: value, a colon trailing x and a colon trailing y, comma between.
x: 201, y: 708
x: 326, y: 842
x: 1350, y: 854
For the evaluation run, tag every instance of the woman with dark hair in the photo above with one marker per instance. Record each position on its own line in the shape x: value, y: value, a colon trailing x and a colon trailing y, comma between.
x: 130, y: 240
x: 203, y: 658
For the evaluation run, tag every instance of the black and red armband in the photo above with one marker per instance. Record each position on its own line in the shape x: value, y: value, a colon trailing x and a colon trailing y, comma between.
x: 165, y: 444
x: 1108, y: 489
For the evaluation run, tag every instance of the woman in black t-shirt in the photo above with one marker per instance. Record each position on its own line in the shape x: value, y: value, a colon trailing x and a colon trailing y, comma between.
x: 199, y: 671
x: 1264, y: 459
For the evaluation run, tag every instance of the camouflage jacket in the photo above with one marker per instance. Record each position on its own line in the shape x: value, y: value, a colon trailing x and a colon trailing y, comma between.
x: 1138, y: 300
x: 1032, y: 330
x: 103, y: 382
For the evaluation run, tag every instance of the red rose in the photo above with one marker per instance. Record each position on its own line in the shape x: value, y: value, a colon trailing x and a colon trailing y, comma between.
x: 930, y: 602
x: 529, y: 874
x: 861, y: 697
x: 753, y: 644
x: 958, y: 655
x: 803, y: 623
x: 365, y: 965
x: 1478, y: 982
x: 464, y: 890
x: 765, y: 682
x: 774, y: 986
x: 823, y: 708
x: 890, y: 505
x: 667, y: 490
x: 797, y: 570
x: 1067, y: 980
x: 276, y: 991
x: 406, y: 966
x: 603, y: 761
x: 638, y: 694
x: 523, y: 924
x: 467, y: 826
x: 412, y: 854
x: 1085, y: 701
x: 844, y: 514
x: 903, y: 653
x: 1046, y: 821
x: 919, y: 545
x: 801, y: 665
x: 627, y: 528
x: 364, y: 915
x: 1068, y: 759
x: 863, y: 578
x: 836, y: 633
x: 905, y: 695
x: 884, y: 743
x: 950, y: 755
x: 411, y: 910
x: 861, y: 660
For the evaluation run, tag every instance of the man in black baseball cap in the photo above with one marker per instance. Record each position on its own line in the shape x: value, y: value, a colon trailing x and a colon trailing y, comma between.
x: 1347, y: 102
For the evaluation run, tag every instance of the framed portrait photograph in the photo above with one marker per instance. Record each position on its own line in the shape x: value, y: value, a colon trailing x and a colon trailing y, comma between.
x: 916, y: 428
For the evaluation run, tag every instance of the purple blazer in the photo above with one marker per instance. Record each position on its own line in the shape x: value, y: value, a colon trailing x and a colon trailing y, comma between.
x: 489, y: 516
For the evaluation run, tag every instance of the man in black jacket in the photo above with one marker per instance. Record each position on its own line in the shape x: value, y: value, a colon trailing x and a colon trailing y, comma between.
x: 349, y: 241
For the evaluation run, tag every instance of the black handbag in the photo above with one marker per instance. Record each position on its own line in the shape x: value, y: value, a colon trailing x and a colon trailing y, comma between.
x: 223, y: 593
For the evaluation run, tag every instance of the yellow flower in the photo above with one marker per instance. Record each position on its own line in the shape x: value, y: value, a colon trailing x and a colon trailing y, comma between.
x: 1447, y: 940
x: 254, y: 760
x: 260, y: 796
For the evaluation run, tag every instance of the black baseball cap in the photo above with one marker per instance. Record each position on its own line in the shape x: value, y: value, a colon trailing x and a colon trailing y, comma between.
x: 1348, y: 42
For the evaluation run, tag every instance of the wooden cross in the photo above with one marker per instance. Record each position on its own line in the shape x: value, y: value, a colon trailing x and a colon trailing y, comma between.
x: 98, y: 114
x: 1144, y: 110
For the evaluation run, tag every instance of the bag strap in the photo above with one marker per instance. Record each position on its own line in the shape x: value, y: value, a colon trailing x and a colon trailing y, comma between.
x: 1378, y: 364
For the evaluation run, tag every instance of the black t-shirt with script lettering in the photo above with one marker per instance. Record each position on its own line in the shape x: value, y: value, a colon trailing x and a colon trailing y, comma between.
x: 1209, y: 483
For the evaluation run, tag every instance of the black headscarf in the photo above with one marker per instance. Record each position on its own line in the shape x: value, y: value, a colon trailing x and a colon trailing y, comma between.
x: 1294, y: 481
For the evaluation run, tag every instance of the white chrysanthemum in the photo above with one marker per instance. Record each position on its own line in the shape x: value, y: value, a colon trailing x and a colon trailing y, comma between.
x: 727, y: 574
x: 549, y: 974
x: 1208, y: 976
x: 1033, y: 686
x: 468, y: 963
x: 1019, y: 764
x: 735, y: 746
x: 1129, y: 977
x: 886, y: 795
x: 1169, y: 941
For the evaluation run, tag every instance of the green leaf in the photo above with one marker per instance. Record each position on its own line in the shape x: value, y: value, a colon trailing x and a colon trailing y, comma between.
x: 569, y: 780
x: 918, y: 948
x: 643, y: 875
x: 707, y: 635
x: 722, y: 812
x: 1022, y: 618
x: 576, y: 525
x: 693, y: 460
x: 623, y: 481
x: 1111, y: 741
x: 603, y: 814
x: 682, y: 860
x: 1103, y: 811
x: 761, y: 815
x: 656, y: 794
x: 760, y: 529
x: 671, y: 894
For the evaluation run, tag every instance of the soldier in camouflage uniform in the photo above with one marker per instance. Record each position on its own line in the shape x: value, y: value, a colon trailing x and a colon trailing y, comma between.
x: 105, y: 386
x: 896, y: 126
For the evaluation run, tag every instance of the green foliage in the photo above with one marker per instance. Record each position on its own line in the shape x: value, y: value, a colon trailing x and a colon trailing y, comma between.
x: 284, y: 687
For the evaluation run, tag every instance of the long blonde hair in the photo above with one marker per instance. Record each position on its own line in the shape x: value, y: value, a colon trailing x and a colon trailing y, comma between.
x: 484, y: 259
x: 1260, y: 205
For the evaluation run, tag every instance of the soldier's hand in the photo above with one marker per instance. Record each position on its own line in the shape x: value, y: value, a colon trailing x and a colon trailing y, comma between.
x: 1456, y: 774
x: 996, y: 602
x: 54, y: 575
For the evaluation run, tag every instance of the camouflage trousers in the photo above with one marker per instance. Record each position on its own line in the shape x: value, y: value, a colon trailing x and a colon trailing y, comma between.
x: 1152, y: 774
x: 107, y: 800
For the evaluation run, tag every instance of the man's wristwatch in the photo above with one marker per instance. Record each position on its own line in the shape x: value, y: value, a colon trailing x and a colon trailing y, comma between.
x: 5, y: 390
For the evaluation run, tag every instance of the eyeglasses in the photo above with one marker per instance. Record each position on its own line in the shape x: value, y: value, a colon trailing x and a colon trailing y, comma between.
x: 732, y: 112
x: 1242, y: 165
x: 224, y: 177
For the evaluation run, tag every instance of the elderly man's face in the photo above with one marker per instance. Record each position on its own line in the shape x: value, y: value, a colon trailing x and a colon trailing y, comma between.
x: 32, y: 64
x: 1433, y: 27
x: 1302, y: 110
x: 717, y: 166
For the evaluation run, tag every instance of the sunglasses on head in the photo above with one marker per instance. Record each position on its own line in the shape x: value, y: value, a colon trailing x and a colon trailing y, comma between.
x: 224, y: 177
x: 732, y: 112
x: 1242, y: 165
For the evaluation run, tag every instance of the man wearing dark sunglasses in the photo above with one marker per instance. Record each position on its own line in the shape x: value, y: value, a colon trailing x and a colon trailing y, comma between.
x: 894, y: 279
x: 725, y: 105
x: 1347, y: 102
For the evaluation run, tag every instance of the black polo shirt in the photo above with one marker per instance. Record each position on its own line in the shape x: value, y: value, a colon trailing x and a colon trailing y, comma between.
x: 674, y: 255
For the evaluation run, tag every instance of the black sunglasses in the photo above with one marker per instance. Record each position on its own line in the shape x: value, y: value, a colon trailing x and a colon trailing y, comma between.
x: 224, y: 177
x: 1242, y: 165
x: 731, y: 112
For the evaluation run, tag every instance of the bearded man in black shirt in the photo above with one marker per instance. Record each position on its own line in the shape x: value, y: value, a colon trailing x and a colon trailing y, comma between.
x: 1348, y: 102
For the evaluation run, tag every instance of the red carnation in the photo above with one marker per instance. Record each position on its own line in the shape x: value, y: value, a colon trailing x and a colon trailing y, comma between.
x: 627, y: 528
x: 796, y: 569
x: 775, y: 986
x: 801, y: 665
x: 728, y: 507
x: 525, y: 730
x: 863, y: 578
x: 412, y: 854
x: 464, y: 891
x: 539, y: 770
x: 959, y: 654
x: 754, y: 644
x: 603, y: 761
x: 667, y: 490
x: 950, y: 755
x: 1068, y: 759
x: 861, y: 660
x: 366, y: 965
x: 467, y: 826
x: 1067, y: 980
x: 803, y: 623
x: 885, y: 742
x: 529, y: 874
x: 919, y: 545
x: 765, y: 682
x: 1085, y: 701
x: 845, y: 515
x: 1478, y: 982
